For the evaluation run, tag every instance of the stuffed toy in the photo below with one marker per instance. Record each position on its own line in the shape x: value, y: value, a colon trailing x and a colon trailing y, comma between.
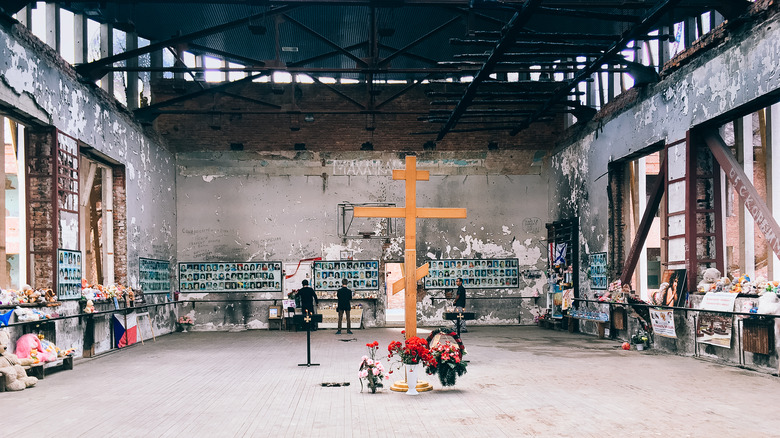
x: 16, y: 378
x: 90, y: 307
x: 51, y: 296
x: 29, y: 346
x: 709, y: 280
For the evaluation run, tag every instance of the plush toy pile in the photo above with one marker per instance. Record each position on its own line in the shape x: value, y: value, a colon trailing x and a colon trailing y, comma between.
x: 98, y: 292
x: 27, y: 295
x: 36, y: 348
x: 15, y: 377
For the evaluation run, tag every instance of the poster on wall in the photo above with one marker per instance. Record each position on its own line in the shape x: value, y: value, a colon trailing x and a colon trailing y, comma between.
x: 476, y: 273
x: 598, y: 271
x: 715, y: 328
x: 663, y: 322
x: 672, y: 289
x: 154, y: 276
x: 230, y: 277
x: 68, y: 274
x: 361, y: 275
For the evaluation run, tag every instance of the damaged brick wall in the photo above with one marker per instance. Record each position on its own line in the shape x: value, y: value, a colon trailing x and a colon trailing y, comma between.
x: 41, y: 215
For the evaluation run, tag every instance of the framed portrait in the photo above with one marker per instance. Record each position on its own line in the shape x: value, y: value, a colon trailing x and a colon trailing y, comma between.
x: 68, y: 274
x: 274, y: 312
x: 361, y: 275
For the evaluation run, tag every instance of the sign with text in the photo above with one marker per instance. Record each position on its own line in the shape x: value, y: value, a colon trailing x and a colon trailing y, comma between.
x: 715, y: 328
x: 663, y: 322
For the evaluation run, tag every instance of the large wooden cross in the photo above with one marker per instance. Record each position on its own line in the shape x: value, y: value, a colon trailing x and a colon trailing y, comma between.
x: 410, y: 212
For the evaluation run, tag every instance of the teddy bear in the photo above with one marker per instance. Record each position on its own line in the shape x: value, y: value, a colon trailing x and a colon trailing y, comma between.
x: 51, y: 296
x: 16, y: 378
x: 709, y: 278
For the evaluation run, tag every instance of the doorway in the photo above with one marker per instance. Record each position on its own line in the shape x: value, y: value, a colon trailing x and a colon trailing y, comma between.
x: 394, y: 307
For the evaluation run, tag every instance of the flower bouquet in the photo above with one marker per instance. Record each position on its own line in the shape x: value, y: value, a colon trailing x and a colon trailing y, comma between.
x: 371, y: 370
x: 449, y: 356
x: 185, y: 322
x: 413, y: 351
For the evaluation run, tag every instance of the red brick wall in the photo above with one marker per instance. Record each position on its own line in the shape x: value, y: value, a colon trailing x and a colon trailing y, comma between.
x: 120, y: 225
x: 217, y: 120
x: 41, y: 231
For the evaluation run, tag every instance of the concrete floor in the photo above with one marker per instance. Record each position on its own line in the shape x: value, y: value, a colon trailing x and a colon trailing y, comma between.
x: 521, y: 381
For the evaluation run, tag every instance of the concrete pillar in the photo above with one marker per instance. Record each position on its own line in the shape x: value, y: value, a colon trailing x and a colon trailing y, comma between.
x: 690, y: 31
x: 108, y: 226
x: 131, y: 90
x: 106, y: 50
x: 773, y: 177
x: 743, y: 136
x: 53, y: 26
x: 80, y: 39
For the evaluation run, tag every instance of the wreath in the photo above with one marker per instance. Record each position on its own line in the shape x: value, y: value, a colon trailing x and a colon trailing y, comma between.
x: 449, y: 363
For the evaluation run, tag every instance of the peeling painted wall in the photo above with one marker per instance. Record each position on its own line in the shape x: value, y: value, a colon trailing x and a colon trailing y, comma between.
x: 744, y: 68
x: 248, y: 206
x: 40, y: 88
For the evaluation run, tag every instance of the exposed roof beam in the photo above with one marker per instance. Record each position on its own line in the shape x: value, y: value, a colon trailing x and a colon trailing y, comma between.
x: 94, y: 70
x: 325, y: 40
x: 584, y: 13
x: 512, y: 28
x: 632, y: 34
x: 406, y: 48
x: 150, y: 112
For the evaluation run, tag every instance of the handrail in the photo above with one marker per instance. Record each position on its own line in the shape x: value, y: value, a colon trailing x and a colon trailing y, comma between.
x: 687, y: 309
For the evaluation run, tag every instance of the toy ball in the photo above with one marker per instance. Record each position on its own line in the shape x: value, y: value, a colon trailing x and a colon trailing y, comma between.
x: 626, y: 346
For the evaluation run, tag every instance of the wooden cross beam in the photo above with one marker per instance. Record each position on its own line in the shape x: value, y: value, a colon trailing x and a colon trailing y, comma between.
x: 411, y: 213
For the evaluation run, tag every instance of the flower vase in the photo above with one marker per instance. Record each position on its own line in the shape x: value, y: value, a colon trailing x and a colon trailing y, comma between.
x: 411, y: 378
x: 184, y: 327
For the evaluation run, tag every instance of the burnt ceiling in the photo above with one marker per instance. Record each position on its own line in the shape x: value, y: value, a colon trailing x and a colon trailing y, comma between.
x: 567, y: 41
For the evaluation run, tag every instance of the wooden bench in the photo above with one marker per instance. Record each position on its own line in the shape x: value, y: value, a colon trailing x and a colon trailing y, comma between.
x: 600, y: 325
x: 39, y: 370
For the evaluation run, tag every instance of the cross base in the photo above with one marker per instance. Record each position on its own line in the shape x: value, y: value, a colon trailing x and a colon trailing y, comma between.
x: 401, y: 386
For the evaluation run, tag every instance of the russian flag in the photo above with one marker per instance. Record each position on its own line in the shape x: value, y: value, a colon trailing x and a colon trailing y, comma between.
x: 125, y: 329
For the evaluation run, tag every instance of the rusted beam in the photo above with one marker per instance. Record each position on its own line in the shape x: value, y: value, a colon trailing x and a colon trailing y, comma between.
x: 762, y: 215
x: 512, y: 28
x: 406, y: 48
x: 656, y: 194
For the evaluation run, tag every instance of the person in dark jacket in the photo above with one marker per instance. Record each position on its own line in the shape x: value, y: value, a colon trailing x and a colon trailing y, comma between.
x: 308, y: 299
x: 460, y: 303
x: 344, y: 296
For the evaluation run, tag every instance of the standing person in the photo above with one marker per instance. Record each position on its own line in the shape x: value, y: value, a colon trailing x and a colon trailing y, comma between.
x: 344, y: 296
x: 460, y: 303
x: 309, y: 300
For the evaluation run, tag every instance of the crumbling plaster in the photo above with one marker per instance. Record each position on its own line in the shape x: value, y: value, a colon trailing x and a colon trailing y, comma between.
x: 43, y: 90
x: 742, y: 69
x: 248, y: 206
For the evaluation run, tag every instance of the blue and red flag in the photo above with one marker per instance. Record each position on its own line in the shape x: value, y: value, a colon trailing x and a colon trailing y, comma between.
x: 125, y: 329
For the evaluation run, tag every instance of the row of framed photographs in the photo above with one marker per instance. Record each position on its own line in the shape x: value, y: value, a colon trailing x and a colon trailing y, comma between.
x: 476, y: 273
x: 360, y: 274
x: 230, y: 276
x: 155, y: 275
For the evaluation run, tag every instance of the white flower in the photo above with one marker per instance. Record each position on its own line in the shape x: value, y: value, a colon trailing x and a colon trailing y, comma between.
x: 363, y: 374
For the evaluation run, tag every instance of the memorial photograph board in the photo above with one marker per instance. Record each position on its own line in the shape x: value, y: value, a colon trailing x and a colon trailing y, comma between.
x: 476, y: 273
x: 230, y: 276
x: 598, y: 271
x: 361, y: 275
x: 68, y: 274
x: 154, y: 275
